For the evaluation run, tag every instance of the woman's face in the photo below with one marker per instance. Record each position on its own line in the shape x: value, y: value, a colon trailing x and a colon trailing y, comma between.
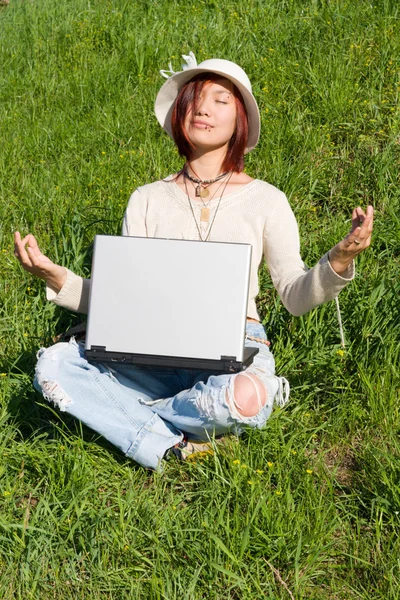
x: 213, y: 122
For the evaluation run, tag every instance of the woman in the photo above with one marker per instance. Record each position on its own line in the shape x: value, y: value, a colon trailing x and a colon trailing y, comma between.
x: 211, y: 114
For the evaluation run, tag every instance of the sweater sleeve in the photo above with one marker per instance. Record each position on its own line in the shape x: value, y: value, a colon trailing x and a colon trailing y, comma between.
x: 300, y: 289
x: 74, y: 295
x: 134, y: 222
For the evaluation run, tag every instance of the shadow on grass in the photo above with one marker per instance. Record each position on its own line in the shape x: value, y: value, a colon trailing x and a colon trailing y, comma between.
x: 31, y: 415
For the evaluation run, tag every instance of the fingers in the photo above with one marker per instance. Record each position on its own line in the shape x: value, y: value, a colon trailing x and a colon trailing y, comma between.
x: 370, y: 216
x: 32, y: 248
x: 360, y: 235
x: 367, y: 223
x: 35, y: 255
x: 358, y: 217
x: 27, y: 251
x: 20, y: 252
x: 362, y: 225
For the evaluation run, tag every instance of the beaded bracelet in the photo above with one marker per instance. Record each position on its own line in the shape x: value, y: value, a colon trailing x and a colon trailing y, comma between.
x: 259, y: 340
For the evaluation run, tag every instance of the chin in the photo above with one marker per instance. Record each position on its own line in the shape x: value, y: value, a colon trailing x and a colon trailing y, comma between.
x: 207, y: 143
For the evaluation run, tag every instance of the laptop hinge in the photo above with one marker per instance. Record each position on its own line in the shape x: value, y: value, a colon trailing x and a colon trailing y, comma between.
x: 226, y: 364
x: 230, y: 363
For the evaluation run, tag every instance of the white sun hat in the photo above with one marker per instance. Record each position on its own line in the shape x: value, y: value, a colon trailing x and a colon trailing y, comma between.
x: 168, y: 93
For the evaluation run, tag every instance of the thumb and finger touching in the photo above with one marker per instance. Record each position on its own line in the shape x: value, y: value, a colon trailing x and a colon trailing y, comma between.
x: 30, y: 256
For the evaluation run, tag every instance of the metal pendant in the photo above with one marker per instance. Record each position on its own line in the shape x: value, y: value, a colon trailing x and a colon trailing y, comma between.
x: 204, y: 193
x: 205, y: 214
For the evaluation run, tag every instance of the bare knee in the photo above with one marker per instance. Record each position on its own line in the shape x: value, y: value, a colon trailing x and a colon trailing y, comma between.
x: 248, y: 395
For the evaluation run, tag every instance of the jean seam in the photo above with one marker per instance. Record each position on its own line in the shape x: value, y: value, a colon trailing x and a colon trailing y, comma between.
x: 140, y: 435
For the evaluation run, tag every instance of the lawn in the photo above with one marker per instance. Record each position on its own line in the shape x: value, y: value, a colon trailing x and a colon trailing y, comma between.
x: 308, y: 507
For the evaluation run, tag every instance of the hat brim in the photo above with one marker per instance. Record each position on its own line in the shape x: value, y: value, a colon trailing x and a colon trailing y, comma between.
x: 168, y: 93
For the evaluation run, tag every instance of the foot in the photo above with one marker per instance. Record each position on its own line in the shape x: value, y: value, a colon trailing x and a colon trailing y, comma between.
x: 186, y: 450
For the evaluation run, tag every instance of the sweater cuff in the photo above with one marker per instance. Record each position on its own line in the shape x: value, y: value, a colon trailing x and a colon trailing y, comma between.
x: 341, y: 280
x: 74, y: 295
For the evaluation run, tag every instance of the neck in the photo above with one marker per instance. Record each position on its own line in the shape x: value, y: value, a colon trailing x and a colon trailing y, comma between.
x: 208, y: 165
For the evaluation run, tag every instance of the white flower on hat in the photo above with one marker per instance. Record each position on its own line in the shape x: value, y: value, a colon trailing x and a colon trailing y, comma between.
x: 190, y: 63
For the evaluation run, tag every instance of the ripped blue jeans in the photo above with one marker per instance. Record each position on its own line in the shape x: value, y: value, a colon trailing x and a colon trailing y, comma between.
x: 144, y: 411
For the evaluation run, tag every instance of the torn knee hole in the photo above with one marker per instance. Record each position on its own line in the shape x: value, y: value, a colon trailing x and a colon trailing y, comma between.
x: 247, y: 396
x: 54, y: 393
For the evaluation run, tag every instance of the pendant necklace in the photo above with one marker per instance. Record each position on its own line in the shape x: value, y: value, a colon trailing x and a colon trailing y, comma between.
x: 216, y: 210
x: 201, y: 189
x: 205, y: 210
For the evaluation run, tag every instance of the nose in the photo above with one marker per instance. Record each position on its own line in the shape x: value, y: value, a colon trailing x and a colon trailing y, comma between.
x: 203, y: 107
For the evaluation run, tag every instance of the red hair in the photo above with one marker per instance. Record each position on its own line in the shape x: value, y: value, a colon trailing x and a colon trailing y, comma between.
x: 186, y: 101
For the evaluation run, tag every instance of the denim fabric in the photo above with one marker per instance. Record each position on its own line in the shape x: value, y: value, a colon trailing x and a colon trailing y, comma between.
x: 144, y: 411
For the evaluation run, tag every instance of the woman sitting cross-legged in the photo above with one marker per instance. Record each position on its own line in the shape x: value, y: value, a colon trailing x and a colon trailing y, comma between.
x: 211, y: 114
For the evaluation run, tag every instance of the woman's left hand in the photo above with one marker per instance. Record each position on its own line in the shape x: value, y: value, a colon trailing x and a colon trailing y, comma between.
x: 359, y: 238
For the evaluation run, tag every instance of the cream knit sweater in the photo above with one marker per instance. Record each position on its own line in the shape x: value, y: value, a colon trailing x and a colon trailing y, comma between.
x: 257, y: 213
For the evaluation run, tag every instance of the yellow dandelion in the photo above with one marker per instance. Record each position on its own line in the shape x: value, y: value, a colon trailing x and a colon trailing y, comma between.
x: 259, y: 471
x: 270, y: 464
x: 250, y: 482
x: 236, y: 462
x: 309, y: 471
x: 278, y: 493
x: 244, y: 466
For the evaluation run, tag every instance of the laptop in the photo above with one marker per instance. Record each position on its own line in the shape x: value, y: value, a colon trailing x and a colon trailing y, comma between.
x: 169, y: 303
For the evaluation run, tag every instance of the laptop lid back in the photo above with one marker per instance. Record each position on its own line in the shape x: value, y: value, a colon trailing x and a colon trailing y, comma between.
x: 169, y: 297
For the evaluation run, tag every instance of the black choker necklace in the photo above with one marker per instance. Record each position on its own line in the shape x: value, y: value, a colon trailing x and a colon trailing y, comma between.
x: 201, y: 189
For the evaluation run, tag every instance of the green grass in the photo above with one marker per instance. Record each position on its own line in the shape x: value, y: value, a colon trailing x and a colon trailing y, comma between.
x: 309, y: 507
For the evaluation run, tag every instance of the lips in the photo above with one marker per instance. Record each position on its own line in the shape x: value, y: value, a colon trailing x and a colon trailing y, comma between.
x: 201, y: 125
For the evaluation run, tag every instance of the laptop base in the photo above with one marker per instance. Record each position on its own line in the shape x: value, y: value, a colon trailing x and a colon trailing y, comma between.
x: 227, y: 364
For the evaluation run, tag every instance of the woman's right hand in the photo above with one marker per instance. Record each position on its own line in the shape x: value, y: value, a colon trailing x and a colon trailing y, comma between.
x: 32, y: 260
